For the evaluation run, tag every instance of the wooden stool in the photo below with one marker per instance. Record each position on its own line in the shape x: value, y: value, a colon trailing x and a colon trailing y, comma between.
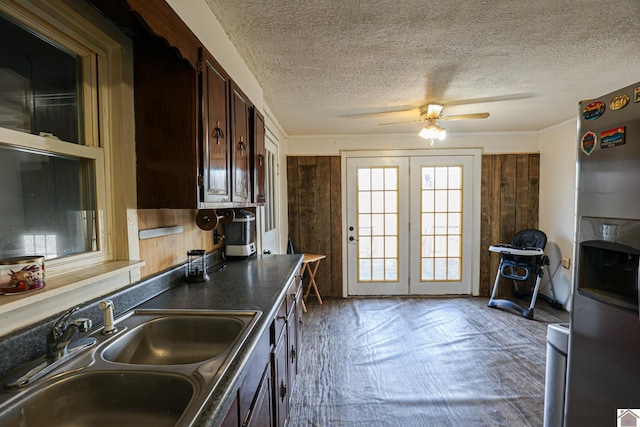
x: 306, y: 266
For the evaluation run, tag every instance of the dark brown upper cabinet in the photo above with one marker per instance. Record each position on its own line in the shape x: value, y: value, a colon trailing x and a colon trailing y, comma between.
x: 215, y: 131
x: 167, y: 97
x: 195, y: 140
x: 240, y: 147
x: 259, y: 156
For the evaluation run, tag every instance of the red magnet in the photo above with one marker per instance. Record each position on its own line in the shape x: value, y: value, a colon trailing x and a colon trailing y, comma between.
x: 593, y: 110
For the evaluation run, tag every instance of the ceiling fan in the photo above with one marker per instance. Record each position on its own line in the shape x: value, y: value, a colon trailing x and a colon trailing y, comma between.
x: 430, y: 114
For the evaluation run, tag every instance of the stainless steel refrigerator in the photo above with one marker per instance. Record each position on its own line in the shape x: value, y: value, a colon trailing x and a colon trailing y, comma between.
x: 603, y: 379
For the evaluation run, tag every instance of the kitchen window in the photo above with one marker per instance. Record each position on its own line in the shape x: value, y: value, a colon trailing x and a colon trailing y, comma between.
x: 67, y: 153
x: 52, y: 162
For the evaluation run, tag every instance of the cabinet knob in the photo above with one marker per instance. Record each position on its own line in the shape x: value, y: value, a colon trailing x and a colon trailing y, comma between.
x: 283, y: 390
x: 293, y: 354
x: 242, y: 147
x: 260, y: 160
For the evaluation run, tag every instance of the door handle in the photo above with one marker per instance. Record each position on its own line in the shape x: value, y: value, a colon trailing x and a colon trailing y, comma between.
x: 352, y: 239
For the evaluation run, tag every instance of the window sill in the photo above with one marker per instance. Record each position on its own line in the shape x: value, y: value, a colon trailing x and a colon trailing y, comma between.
x: 64, y: 291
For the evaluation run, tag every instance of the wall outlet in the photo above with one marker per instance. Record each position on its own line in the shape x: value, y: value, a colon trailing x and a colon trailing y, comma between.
x: 566, y: 262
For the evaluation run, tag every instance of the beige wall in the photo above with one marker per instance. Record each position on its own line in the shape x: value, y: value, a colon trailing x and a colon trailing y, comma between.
x: 330, y: 145
x: 557, y: 199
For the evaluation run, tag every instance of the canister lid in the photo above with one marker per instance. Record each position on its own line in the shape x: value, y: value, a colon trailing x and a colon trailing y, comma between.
x: 244, y: 216
x: 22, y: 260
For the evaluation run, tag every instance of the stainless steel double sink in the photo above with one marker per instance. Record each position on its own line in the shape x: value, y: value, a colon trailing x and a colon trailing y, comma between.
x: 158, y: 369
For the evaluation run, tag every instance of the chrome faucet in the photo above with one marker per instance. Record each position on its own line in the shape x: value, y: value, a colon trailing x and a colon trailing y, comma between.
x: 59, y: 350
x: 62, y: 333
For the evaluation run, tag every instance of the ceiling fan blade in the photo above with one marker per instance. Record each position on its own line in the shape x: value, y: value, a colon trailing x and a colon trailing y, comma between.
x: 378, y: 112
x: 397, y: 123
x: 466, y: 116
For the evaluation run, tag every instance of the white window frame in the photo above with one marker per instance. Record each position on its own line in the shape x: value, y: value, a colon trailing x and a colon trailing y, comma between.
x: 109, y: 143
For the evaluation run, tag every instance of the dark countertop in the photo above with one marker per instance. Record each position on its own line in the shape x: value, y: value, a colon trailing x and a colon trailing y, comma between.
x: 258, y: 283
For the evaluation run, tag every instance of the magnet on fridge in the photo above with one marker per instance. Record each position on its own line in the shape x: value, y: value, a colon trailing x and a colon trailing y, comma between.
x: 588, y: 142
x: 619, y: 102
x: 593, y: 110
x: 612, y: 137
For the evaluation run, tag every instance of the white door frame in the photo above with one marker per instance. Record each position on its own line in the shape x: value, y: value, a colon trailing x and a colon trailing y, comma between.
x: 476, y: 153
x: 271, y: 240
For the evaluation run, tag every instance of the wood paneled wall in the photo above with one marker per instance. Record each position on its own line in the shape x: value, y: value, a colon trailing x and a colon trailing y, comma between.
x: 509, y: 204
x: 315, y: 215
x: 161, y: 253
x: 510, y: 193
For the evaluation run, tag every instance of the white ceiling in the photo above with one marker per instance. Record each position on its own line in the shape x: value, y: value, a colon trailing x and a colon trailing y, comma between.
x: 342, y: 66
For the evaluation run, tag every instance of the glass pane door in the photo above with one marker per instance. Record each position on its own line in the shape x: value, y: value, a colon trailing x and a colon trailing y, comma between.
x: 441, y: 246
x: 377, y: 189
x: 440, y: 225
x: 377, y: 226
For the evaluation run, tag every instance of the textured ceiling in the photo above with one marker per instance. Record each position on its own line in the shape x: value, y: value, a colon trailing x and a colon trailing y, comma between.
x: 343, y: 66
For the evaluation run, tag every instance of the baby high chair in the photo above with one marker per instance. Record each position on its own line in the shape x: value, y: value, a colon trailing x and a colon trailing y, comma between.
x: 520, y: 260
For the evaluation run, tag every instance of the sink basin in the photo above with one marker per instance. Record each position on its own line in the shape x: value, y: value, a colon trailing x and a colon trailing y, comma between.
x: 176, y: 340
x: 158, y: 369
x: 104, y: 398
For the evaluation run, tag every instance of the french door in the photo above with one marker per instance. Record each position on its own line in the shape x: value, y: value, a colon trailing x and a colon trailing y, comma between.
x: 410, y: 224
x: 377, y: 226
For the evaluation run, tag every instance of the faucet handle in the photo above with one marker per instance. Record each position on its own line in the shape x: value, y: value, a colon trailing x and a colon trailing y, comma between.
x: 63, y: 319
x: 83, y: 324
x: 58, y: 326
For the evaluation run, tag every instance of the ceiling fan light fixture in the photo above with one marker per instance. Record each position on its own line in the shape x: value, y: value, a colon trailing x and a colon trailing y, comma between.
x: 432, y: 132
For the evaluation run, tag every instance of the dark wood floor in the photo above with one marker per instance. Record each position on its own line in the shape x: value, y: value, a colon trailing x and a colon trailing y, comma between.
x: 421, y: 362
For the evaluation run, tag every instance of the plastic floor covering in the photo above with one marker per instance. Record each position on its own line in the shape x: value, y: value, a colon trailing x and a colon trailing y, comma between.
x: 420, y: 362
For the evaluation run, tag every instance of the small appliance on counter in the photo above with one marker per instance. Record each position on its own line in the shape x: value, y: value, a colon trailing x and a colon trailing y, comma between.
x: 239, y: 235
x: 196, y: 266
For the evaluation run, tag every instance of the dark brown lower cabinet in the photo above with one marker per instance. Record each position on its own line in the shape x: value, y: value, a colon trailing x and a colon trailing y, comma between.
x: 254, y: 381
x: 262, y: 400
x: 262, y: 416
x: 231, y: 419
x: 281, y: 382
x: 294, y: 330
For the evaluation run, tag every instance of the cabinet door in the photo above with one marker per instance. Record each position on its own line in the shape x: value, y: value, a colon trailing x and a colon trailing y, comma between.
x: 259, y: 159
x: 298, y: 327
x: 292, y: 351
x: 167, y: 135
x: 240, y: 147
x: 231, y: 418
x: 280, y: 382
x: 254, y: 372
x: 261, y: 416
x: 215, y: 132
x: 294, y: 331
